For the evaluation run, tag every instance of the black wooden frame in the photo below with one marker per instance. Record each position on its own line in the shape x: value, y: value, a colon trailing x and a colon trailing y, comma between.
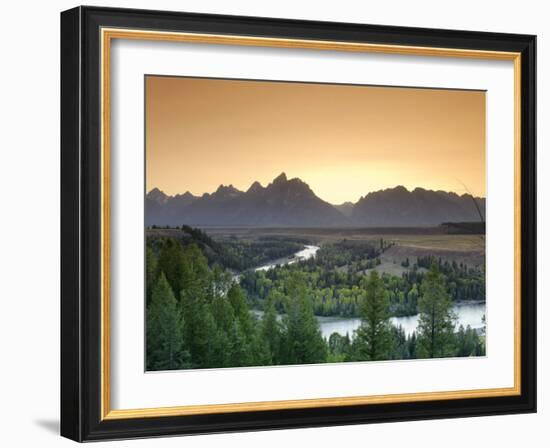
x: 81, y: 225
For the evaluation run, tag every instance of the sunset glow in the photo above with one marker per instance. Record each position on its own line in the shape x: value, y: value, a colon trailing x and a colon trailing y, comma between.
x: 344, y: 141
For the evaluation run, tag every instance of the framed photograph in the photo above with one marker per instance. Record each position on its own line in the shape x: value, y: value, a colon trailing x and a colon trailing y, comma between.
x: 272, y: 223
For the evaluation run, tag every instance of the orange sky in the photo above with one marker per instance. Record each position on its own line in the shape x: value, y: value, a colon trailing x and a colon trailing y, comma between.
x: 344, y: 141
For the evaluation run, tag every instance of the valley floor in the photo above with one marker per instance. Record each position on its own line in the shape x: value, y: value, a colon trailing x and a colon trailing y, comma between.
x: 307, y: 295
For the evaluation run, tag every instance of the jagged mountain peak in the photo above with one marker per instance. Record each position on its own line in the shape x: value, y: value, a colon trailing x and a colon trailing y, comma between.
x: 227, y: 190
x: 280, y: 179
x: 255, y: 187
x: 155, y: 192
x: 186, y: 195
x: 157, y: 195
x: 295, y: 186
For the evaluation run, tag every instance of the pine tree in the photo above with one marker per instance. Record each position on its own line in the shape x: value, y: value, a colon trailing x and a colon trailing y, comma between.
x: 339, y: 347
x: 436, y: 320
x: 202, y: 333
x: 196, y: 275
x: 164, y: 322
x: 373, y: 339
x: 171, y: 263
x: 303, y: 342
x: 252, y: 342
x: 200, y: 330
x: 240, y: 354
x: 467, y: 342
x: 224, y: 319
x: 238, y: 301
x: 411, y: 346
x: 400, y: 347
x: 412, y: 297
x: 150, y: 273
x: 271, y: 331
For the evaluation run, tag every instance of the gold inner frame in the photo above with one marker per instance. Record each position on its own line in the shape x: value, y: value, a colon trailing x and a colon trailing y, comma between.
x: 107, y: 35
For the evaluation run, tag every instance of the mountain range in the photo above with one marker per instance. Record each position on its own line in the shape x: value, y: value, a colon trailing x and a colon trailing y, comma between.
x: 292, y: 203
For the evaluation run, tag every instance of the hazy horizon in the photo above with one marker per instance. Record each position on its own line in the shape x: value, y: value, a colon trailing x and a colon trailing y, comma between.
x: 344, y: 141
x: 264, y: 185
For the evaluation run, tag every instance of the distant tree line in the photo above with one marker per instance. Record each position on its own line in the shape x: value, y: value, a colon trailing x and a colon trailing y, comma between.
x: 337, y: 291
x: 465, y: 283
x: 237, y: 254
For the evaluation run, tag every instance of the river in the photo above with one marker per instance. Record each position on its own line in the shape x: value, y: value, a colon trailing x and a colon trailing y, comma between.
x: 304, y: 254
x: 467, y: 313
